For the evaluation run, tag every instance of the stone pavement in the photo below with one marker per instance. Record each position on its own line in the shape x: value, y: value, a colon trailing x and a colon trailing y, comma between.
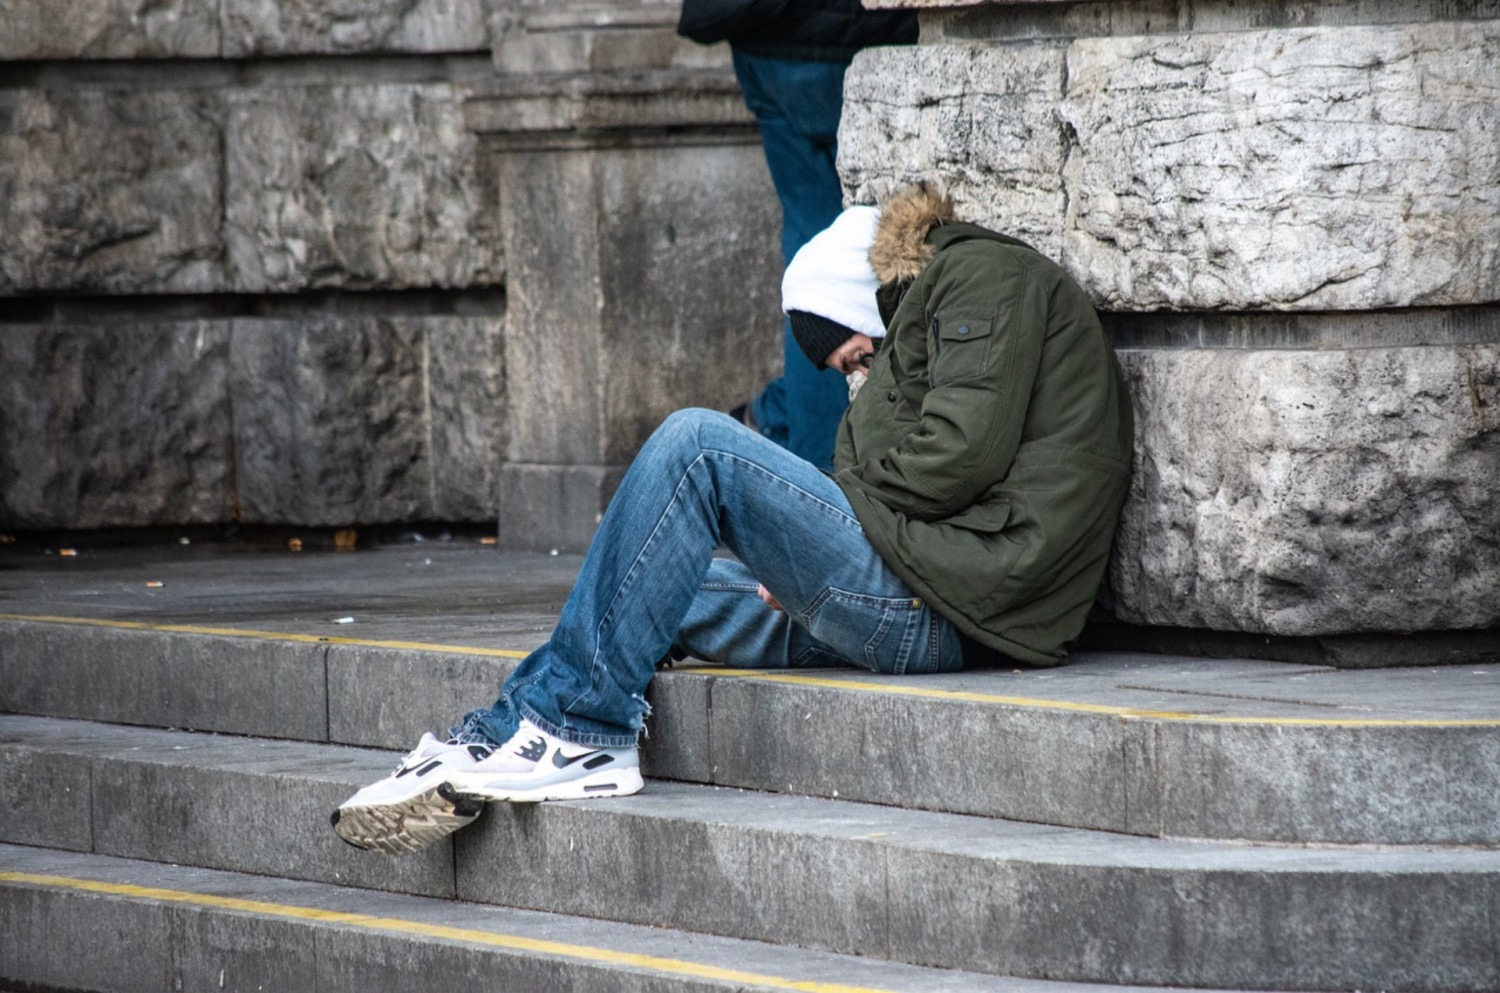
x: 456, y: 596
x: 177, y: 721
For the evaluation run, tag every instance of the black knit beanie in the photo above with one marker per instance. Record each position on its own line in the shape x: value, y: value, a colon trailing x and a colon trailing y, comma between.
x: 818, y: 337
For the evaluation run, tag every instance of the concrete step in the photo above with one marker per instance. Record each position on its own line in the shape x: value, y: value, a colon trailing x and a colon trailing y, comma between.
x: 1149, y: 745
x: 90, y: 922
x: 923, y: 888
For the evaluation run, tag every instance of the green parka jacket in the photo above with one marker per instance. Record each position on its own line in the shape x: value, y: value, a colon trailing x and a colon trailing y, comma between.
x: 988, y: 454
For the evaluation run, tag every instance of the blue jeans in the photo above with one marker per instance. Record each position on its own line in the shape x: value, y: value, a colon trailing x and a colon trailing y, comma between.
x: 797, y: 105
x: 651, y: 581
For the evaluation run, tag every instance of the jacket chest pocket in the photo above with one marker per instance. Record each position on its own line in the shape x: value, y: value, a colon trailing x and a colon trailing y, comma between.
x: 958, y: 348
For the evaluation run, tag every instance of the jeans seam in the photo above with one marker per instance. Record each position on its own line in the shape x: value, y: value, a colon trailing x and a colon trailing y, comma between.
x: 891, y: 609
x: 784, y: 484
x: 720, y: 586
x: 589, y: 738
x: 606, y: 617
x: 810, y: 651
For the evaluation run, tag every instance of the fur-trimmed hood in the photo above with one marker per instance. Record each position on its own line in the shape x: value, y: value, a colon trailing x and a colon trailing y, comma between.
x: 900, y: 250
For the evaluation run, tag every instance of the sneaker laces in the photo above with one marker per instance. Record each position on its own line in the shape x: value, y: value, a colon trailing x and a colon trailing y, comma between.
x: 468, y: 733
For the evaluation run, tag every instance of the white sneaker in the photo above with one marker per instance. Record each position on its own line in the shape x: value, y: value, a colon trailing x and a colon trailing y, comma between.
x: 412, y: 807
x: 535, y: 765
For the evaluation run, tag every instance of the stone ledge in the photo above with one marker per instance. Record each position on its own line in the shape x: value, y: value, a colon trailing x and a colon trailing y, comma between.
x: 986, y: 20
x: 1300, y: 169
x: 272, y: 188
x: 1293, y: 330
x: 1383, y: 650
x: 534, y: 36
x: 1309, y: 493
x: 311, y: 421
x: 193, y: 29
x: 637, y: 101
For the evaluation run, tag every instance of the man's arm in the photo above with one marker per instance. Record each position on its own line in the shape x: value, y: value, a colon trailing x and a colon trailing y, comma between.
x: 985, y: 323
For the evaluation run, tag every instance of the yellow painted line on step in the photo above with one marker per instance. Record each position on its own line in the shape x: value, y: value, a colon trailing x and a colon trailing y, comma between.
x: 395, y: 925
x: 870, y: 686
x: 311, y: 639
x: 856, y: 685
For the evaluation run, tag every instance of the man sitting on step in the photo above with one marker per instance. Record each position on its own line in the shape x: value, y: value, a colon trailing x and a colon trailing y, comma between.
x: 979, y: 475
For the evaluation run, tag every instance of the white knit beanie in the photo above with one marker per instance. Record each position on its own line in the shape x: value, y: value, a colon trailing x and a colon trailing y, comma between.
x: 831, y: 276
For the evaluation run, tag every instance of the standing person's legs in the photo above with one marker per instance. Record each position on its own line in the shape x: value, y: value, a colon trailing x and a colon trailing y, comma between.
x: 797, y: 105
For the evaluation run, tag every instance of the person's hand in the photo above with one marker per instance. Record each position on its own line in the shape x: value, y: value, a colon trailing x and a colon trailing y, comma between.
x: 855, y: 353
x: 771, y: 601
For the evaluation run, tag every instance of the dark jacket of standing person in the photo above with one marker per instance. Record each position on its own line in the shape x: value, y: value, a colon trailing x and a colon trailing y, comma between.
x: 805, y: 30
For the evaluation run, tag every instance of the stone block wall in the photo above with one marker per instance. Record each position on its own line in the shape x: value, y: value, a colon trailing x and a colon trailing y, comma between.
x: 251, y: 269
x: 369, y: 261
x: 659, y: 286
x: 254, y: 264
x: 312, y: 420
x: 1289, y: 216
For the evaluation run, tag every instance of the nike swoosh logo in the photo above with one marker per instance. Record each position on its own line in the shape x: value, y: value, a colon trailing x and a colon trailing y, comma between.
x: 562, y: 761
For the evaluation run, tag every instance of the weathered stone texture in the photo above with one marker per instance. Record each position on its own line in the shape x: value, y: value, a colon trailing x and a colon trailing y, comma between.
x: 652, y: 293
x: 357, y: 187
x: 106, y: 191
x: 1068, y: 18
x: 108, y: 29
x: 980, y: 120
x: 466, y: 397
x: 104, y: 426
x: 367, y: 420
x: 329, y: 419
x: 656, y: 286
x: 1351, y: 168
x: 691, y: 288
x: 300, y: 27
x: 1312, y: 492
x: 537, y: 36
x: 322, y: 421
x: 1315, y: 169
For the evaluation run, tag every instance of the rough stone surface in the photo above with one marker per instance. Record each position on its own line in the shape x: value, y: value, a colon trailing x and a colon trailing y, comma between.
x: 983, y: 120
x: 1311, y: 492
x: 539, y: 110
x: 1053, y: 18
x: 110, y: 191
x: 62, y: 937
x: 295, y: 27
x: 210, y: 683
x: 1350, y: 168
x: 534, y: 36
x: 659, y: 280
x: 329, y: 422
x: 48, y: 797
x: 551, y: 508
x: 1316, y: 169
x: 229, y: 803
x: 367, y: 709
x: 466, y: 415
x: 112, y: 29
x: 657, y: 290
x: 312, y: 421
x: 103, y: 425
x: 356, y: 187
